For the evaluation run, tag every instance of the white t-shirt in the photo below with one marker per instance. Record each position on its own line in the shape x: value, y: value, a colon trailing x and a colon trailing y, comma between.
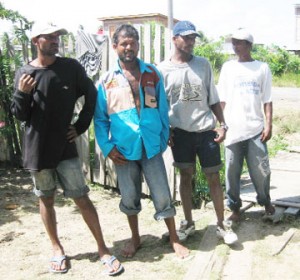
x: 191, y: 91
x: 244, y: 87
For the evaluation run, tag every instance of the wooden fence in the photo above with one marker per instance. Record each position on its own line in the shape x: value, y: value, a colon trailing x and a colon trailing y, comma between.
x: 155, y: 45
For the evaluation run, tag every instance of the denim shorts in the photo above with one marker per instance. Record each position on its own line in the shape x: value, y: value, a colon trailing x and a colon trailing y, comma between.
x: 68, y: 174
x: 130, y: 185
x: 188, y: 145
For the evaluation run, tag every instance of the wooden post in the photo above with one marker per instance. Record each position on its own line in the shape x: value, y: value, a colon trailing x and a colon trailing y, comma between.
x: 147, y: 43
x: 157, y: 44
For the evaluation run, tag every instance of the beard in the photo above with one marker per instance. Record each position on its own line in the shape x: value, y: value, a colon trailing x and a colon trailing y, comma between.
x: 52, y: 50
x: 127, y: 57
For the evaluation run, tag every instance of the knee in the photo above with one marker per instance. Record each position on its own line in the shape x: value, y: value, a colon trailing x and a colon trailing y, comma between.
x: 47, y: 202
x: 213, y: 179
x: 186, y: 174
x: 83, y: 202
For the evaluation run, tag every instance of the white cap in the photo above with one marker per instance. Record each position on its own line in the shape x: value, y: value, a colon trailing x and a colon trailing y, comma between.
x: 242, y: 34
x: 47, y: 29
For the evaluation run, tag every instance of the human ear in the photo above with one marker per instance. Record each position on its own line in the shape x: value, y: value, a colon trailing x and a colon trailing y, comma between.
x: 34, y: 40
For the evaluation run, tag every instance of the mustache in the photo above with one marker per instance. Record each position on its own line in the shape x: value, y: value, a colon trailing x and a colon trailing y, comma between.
x: 129, y: 52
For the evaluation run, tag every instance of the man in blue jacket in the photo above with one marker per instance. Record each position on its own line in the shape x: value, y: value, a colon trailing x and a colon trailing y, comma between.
x: 132, y: 129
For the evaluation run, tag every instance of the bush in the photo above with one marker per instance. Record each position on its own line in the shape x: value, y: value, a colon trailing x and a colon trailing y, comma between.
x: 293, y: 65
x: 213, y: 52
x: 279, y: 60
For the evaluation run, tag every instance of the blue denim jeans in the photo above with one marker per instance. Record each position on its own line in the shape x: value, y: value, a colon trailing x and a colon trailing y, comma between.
x: 130, y: 185
x: 255, y: 152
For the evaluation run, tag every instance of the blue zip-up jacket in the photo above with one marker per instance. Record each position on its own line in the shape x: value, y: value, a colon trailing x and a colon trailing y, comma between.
x: 117, y: 121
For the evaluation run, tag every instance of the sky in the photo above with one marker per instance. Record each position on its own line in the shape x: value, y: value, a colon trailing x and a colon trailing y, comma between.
x: 269, y: 21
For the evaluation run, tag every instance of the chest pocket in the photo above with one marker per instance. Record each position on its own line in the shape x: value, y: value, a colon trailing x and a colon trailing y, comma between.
x: 149, y: 82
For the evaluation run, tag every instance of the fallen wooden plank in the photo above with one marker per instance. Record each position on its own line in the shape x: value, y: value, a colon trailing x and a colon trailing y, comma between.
x: 283, y: 241
x: 286, y: 203
x: 202, y: 261
x: 275, y: 202
x: 292, y: 211
x: 292, y: 199
x: 246, y: 207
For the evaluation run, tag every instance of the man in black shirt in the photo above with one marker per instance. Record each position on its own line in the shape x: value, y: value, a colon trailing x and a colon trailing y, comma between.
x: 46, y: 91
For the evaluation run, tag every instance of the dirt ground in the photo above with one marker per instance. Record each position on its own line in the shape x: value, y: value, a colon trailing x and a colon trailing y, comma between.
x: 264, y: 251
x: 25, y: 249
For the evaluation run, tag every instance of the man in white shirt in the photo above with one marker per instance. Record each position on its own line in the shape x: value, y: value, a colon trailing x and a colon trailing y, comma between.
x: 245, y: 93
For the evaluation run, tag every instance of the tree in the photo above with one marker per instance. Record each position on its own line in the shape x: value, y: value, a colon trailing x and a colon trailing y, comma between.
x: 9, y: 61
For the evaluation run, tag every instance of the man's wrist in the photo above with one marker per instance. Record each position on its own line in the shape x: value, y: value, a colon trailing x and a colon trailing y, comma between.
x: 224, y: 126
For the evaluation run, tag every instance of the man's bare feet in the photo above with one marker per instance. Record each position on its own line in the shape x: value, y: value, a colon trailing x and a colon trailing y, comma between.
x: 235, y: 216
x: 181, y: 251
x: 131, y: 248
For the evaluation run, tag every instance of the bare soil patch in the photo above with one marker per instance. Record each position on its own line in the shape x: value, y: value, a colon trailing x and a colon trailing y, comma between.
x: 26, y: 251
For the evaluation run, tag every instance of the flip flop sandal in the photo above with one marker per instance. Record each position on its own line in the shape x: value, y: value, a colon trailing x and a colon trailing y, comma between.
x: 111, y: 271
x: 59, y: 260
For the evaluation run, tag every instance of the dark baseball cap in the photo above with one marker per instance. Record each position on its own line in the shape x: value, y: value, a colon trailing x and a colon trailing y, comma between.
x: 184, y: 28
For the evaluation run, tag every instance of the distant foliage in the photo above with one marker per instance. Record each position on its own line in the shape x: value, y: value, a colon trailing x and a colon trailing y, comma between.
x: 279, y: 60
x: 213, y: 51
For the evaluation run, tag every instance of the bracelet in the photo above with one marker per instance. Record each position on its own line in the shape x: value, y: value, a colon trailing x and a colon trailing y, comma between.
x: 224, y: 126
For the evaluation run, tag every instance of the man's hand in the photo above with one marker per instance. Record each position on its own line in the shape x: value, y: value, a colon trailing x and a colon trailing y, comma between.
x: 220, y: 134
x: 117, y: 157
x: 72, y: 133
x: 170, y: 141
x: 26, y: 84
x: 266, y: 134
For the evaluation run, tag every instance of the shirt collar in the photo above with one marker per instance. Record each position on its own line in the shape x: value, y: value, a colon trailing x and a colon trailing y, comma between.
x: 143, y: 66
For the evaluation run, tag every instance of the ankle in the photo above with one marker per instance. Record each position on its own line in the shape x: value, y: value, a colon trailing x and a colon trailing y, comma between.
x: 270, y: 210
x: 220, y: 224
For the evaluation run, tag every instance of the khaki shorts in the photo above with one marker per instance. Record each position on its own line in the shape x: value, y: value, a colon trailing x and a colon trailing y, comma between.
x: 68, y: 175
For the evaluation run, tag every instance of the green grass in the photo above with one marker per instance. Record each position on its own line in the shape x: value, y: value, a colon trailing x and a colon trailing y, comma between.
x: 276, y: 144
x: 287, y: 80
x: 285, y: 123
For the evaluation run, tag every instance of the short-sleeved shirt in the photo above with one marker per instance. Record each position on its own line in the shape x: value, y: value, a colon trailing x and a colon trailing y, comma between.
x: 190, y: 91
x: 244, y: 87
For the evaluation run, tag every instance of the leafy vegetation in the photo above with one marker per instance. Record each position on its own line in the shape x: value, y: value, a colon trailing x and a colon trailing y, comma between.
x: 10, y: 60
x: 214, y: 53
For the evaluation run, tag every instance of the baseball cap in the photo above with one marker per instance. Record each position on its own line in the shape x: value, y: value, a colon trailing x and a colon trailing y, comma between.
x: 47, y: 29
x: 184, y: 28
x: 242, y: 34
